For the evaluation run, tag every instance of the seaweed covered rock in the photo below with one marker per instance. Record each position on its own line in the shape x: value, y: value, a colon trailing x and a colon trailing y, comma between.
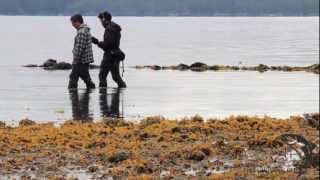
x: 309, y: 158
x: 52, y: 64
x: 49, y: 62
x: 30, y: 65
x: 26, y: 122
x: 2, y: 124
x: 197, y: 156
x: 198, y: 66
x: 261, y: 68
x: 182, y: 67
x: 214, y: 68
x: 314, y: 68
x: 118, y: 157
x: 286, y: 68
x: 155, y: 67
x: 59, y: 66
x: 312, y: 120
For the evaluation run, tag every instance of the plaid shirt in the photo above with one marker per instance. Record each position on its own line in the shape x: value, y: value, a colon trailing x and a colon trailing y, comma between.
x: 82, y: 50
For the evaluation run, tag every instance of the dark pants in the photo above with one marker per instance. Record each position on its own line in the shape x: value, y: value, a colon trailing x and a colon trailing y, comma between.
x: 80, y: 71
x: 109, y: 64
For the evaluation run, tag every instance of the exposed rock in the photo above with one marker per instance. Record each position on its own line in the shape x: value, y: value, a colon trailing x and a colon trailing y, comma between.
x: 235, y: 68
x: 118, y: 157
x: 314, y: 68
x: 140, y: 67
x: 275, y: 68
x: 52, y: 64
x: 262, y: 68
x: 214, y: 68
x: 198, y: 66
x: 63, y: 66
x: 182, y: 67
x: 26, y: 122
x: 93, y: 169
x: 286, y: 68
x: 30, y: 65
x: 312, y: 120
x: 2, y: 124
x: 49, y: 62
x: 144, y: 135
x: 155, y: 67
x: 148, y: 121
x: 302, y: 143
x: 59, y: 66
x: 197, y: 156
x: 167, y: 67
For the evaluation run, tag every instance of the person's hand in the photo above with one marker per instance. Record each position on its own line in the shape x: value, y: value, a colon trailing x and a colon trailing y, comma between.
x: 94, y: 40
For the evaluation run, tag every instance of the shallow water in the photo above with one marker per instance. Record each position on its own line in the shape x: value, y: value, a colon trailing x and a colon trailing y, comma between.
x: 42, y: 95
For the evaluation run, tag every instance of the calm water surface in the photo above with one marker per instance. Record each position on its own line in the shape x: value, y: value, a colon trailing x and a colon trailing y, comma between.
x: 42, y: 96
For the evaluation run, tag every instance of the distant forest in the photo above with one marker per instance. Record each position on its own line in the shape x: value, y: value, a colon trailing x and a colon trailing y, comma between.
x: 162, y: 7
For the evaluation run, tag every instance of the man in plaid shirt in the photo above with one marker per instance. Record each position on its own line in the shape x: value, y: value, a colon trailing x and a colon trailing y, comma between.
x: 82, y: 54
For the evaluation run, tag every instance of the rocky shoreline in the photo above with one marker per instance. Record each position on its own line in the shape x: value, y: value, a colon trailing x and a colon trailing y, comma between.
x: 52, y: 64
x: 236, y: 147
x: 201, y: 67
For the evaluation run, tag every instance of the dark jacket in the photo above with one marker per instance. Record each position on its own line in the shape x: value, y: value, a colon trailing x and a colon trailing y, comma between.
x: 112, y: 36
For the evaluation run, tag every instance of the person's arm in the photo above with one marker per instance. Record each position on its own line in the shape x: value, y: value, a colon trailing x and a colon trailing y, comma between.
x: 108, y: 43
x: 79, y: 46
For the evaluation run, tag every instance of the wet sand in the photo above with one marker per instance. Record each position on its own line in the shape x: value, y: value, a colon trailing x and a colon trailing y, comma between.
x: 238, y: 146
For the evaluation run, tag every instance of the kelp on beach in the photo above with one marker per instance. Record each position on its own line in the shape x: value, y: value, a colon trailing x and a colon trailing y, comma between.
x: 238, y: 146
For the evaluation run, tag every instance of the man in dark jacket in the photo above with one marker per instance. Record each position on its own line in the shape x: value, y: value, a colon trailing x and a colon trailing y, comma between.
x: 111, y: 42
x: 82, y: 54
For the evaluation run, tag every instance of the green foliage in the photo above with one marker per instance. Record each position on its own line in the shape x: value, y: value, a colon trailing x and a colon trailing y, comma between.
x: 162, y: 7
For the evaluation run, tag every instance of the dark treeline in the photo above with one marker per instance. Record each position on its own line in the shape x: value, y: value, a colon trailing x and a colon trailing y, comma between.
x: 161, y: 7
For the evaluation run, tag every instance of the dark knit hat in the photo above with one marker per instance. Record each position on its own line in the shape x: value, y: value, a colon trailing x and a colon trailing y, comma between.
x: 105, y: 16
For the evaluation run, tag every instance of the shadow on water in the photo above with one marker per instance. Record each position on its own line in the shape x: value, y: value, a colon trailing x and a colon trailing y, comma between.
x: 109, y: 101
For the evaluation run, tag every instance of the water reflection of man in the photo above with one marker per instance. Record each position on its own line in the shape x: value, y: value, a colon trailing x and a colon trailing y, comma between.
x: 80, y: 105
x: 110, y: 110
